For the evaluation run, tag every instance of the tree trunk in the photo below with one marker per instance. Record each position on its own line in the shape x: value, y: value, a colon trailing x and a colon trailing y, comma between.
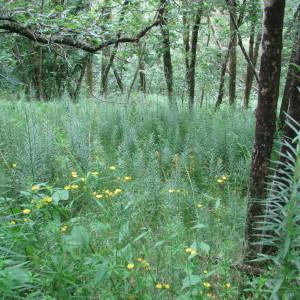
x: 192, y: 64
x: 265, y: 118
x: 118, y: 79
x: 232, y: 53
x: 253, y: 54
x: 167, y: 59
x: 89, y: 74
x: 142, y: 77
x: 289, y: 77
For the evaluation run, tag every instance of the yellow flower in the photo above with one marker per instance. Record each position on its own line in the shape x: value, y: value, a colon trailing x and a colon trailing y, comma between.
x: 74, y: 186
x: 13, y: 222
x: 27, y: 220
x: 35, y: 187
x: 159, y: 286
x: 112, y: 168
x: 224, y: 177
x: 64, y: 228
x: 74, y: 174
x: 178, y: 191
x: 171, y: 191
x: 67, y: 187
x: 220, y: 181
x: 140, y: 259
x: 166, y: 286
x: 127, y: 178
x: 26, y: 211
x: 117, y: 191
x: 146, y: 265
x: 47, y: 200
x: 130, y: 266
x: 14, y: 166
x: 191, y: 251
x: 99, y: 196
x: 94, y: 193
x: 111, y: 194
x: 227, y: 285
x: 82, y: 179
x: 95, y: 173
x: 205, y: 272
x: 199, y: 205
x: 207, y: 284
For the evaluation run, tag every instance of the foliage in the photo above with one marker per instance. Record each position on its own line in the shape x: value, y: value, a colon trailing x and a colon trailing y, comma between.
x: 93, y: 203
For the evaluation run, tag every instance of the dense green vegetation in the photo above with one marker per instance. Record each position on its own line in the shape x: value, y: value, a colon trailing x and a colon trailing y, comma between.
x: 149, y: 149
x: 148, y: 185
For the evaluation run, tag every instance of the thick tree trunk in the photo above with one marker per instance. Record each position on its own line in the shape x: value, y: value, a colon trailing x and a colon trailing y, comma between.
x: 265, y: 118
x: 232, y: 53
x: 289, y: 77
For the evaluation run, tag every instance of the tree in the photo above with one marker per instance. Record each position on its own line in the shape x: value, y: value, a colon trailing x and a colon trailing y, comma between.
x: 269, y: 78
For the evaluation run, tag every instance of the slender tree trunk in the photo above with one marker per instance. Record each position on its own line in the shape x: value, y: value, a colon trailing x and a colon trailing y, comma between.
x: 265, y: 118
x: 118, y: 79
x: 253, y: 54
x: 142, y: 77
x: 192, y: 64
x: 232, y: 54
x: 289, y: 77
x: 80, y: 80
x: 89, y: 74
x: 222, y: 77
x: 167, y: 59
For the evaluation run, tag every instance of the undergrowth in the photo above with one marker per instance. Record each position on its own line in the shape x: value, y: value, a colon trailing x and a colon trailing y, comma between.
x: 121, y: 202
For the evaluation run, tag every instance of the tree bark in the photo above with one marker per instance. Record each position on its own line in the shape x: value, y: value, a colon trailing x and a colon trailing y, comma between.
x: 193, y: 54
x: 289, y: 77
x: 269, y: 78
x: 167, y: 58
x: 253, y: 54
x: 232, y: 53
x: 89, y: 75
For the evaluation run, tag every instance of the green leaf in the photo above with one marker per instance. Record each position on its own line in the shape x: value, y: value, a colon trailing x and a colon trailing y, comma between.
x: 190, y: 281
x: 204, y: 247
x: 79, y: 237
x: 60, y: 195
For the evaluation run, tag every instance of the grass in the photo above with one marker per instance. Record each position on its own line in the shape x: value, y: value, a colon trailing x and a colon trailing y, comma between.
x: 154, y: 208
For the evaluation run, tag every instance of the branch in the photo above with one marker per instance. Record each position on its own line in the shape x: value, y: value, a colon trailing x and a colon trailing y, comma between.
x: 14, y: 27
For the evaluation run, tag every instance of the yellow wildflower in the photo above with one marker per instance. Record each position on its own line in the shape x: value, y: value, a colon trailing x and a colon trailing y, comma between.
x: 64, y: 228
x: 94, y: 193
x: 112, y: 168
x: 140, y: 259
x: 14, y: 166
x: 207, y: 284
x: 224, y: 177
x: 27, y: 220
x: 74, y: 186
x: 130, y: 266
x: 191, y: 251
x: 82, y: 179
x: 26, y: 211
x: 171, y: 191
x: 227, y: 285
x: 117, y: 191
x: 99, y: 196
x: 74, y: 174
x: 199, y: 205
x: 13, y: 222
x: 67, y: 187
x: 127, y: 178
x: 35, y: 187
x: 220, y: 181
x: 47, y: 200
x: 166, y: 286
x: 95, y: 173
x: 205, y: 271
x: 159, y: 286
x: 146, y: 265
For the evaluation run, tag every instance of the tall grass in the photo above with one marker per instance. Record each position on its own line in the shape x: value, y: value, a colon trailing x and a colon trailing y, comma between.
x: 174, y: 211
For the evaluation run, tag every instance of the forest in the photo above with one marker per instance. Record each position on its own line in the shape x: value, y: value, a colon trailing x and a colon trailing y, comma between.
x: 150, y: 149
